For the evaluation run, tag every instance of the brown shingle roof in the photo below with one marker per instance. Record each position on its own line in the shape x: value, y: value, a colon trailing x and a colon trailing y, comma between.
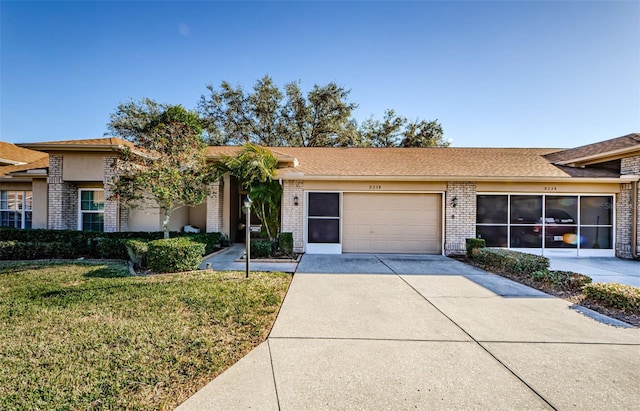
x: 38, y: 164
x: 100, y: 144
x: 590, y: 150
x: 416, y: 162
x: 12, y: 154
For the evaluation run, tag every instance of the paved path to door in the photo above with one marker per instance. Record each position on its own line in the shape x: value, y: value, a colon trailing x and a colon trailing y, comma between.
x: 601, y: 269
x: 440, y: 335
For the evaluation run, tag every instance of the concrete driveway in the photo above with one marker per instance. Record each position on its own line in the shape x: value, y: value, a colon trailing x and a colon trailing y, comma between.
x: 427, y: 332
x: 601, y: 269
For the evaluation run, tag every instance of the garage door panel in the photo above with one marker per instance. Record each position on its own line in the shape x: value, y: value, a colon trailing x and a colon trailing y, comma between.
x: 391, y: 223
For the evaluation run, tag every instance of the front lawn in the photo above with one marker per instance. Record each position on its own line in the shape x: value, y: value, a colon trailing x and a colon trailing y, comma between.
x: 89, y: 336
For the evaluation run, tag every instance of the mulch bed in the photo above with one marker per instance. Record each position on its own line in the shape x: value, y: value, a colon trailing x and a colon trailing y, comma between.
x: 573, y: 296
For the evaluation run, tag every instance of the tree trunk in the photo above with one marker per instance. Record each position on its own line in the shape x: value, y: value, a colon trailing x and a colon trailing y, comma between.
x: 165, y: 222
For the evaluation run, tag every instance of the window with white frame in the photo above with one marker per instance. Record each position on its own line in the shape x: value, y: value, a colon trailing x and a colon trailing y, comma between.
x: 91, y: 210
x: 15, y: 209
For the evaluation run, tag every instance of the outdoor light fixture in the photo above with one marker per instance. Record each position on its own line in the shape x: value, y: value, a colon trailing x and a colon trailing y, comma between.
x: 454, y: 202
x: 247, y: 206
x: 295, y: 200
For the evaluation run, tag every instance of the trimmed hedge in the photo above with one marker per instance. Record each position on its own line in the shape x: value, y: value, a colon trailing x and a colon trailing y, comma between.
x: 510, y: 261
x: 285, y: 243
x: 175, y: 255
x: 473, y: 244
x: 261, y: 249
x: 74, y: 244
x: 615, y: 295
x: 137, y: 250
x: 564, y: 279
x: 210, y: 240
x: 17, y: 250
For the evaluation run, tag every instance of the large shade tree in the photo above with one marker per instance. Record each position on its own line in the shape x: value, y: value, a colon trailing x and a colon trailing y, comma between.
x: 322, y: 117
x: 167, y: 166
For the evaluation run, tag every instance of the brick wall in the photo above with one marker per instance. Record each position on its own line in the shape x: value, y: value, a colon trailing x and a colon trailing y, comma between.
x: 63, y: 198
x: 624, y: 210
x: 111, y: 208
x: 293, y: 215
x: 460, y: 221
x: 215, y: 202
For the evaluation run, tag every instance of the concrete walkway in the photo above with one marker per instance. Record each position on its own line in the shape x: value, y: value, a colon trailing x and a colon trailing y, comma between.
x: 226, y: 261
x: 450, y: 337
x: 601, y: 269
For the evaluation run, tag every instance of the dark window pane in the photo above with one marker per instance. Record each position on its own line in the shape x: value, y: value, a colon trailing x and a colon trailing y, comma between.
x: 560, y: 236
x: 492, y: 209
x: 596, y: 210
x: 596, y: 237
x: 324, y: 230
x: 324, y: 204
x: 526, y: 236
x: 92, y: 200
x: 92, y: 222
x: 561, y: 210
x: 526, y: 209
x: 494, y: 236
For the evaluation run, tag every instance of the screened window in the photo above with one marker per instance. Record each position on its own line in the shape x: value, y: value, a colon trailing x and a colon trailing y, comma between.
x: 16, y: 209
x: 545, y: 221
x: 91, y: 210
x: 323, y: 222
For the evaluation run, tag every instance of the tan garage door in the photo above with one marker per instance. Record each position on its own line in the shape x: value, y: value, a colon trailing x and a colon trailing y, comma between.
x: 391, y: 223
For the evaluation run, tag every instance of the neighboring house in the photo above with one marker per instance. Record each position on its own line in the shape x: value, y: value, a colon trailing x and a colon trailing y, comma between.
x: 23, y: 187
x: 580, y: 201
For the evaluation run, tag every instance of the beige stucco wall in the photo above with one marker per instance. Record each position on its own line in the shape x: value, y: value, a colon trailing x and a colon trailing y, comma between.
x: 40, y: 203
x: 198, y: 216
x: 375, y: 186
x: 83, y: 167
x: 149, y: 219
x: 144, y: 219
x: 548, y: 188
x: 17, y: 186
x: 179, y: 218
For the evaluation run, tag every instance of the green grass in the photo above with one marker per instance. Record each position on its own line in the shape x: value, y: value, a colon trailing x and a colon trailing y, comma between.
x: 89, y: 336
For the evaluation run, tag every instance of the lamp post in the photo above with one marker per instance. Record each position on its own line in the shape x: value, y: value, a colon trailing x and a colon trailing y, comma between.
x: 247, y: 207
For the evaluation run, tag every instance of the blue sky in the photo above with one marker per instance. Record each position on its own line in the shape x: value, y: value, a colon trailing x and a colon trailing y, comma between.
x: 495, y: 74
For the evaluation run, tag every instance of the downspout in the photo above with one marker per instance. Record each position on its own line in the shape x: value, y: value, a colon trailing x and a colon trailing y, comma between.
x: 634, y: 225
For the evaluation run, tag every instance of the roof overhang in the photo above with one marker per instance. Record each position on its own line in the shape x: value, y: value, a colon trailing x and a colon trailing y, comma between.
x: 11, y: 162
x: 601, y: 157
x: 506, y: 179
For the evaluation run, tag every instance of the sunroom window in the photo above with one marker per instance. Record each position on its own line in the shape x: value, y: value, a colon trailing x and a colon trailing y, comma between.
x: 545, y: 221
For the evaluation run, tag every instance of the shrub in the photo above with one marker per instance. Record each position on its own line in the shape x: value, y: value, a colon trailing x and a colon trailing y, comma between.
x: 615, y: 295
x: 261, y: 249
x: 18, y: 250
x: 210, y: 240
x: 510, y: 261
x: 285, y: 243
x: 137, y: 250
x: 110, y: 247
x: 563, y: 279
x: 174, y: 255
x: 474, y: 244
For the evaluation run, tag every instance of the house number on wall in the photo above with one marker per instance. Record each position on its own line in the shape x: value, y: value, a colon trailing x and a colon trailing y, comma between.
x: 550, y: 188
x: 375, y: 187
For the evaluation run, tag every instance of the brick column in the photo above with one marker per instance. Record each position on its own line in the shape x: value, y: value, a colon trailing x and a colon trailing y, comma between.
x: 624, y: 210
x: 111, y: 207
x: 63, y: 198
x: 215, y: 203
x: 460, y: 221
x: 293, y: 215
